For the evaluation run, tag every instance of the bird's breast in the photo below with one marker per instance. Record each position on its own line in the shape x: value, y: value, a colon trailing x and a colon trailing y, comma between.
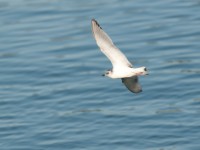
x: 123, y: 72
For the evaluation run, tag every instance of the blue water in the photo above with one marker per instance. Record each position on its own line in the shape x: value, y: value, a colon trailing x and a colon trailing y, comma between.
x: 52, y: 94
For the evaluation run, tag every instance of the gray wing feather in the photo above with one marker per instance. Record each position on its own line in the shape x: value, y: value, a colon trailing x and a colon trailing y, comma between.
x: 132, y: 84
x: 107, y: 46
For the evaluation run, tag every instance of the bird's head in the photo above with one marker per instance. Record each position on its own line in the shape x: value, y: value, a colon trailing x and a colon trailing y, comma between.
x: 141, y: 71
x: 144, y: 71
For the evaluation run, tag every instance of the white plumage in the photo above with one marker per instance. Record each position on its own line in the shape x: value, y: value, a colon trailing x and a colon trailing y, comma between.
x: 122, y: 68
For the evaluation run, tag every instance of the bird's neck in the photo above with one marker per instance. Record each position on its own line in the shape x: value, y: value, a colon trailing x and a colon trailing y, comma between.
x: 138, y: 71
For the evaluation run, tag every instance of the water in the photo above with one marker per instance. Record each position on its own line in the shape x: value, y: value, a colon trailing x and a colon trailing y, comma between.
x: 52, y: 95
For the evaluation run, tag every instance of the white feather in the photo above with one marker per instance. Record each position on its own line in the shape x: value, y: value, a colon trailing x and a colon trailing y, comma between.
x: 122, y: 68
x: 106, y: 45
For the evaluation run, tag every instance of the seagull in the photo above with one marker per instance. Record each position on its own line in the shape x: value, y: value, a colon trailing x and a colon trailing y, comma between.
x: 122, y: 68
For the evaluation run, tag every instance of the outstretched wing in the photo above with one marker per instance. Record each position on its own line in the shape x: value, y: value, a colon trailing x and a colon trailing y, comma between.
x: 107, y: 46
x: 132, y: 84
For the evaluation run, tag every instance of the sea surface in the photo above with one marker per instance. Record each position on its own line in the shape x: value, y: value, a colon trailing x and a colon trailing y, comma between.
x: 52, y: 94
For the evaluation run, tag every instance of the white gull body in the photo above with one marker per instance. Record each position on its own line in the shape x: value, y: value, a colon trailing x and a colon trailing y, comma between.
x: 122, y: 68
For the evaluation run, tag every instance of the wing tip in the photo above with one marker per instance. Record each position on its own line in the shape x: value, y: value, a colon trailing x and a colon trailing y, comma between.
x: 94, y: 22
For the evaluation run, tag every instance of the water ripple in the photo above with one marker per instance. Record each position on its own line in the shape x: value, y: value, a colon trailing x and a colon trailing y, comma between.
x: 52, y: 94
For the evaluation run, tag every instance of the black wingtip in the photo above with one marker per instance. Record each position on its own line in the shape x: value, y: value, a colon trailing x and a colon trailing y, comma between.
x: 93, y: 20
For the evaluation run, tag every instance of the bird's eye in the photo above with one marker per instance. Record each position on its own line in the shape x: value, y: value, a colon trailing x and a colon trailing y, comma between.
x: 145, y: 69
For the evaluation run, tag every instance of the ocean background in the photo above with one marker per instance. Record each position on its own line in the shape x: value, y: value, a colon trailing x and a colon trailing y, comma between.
x: 52, y: 94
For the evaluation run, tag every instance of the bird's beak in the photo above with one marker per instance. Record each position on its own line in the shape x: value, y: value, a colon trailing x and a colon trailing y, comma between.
x: 103, y: 75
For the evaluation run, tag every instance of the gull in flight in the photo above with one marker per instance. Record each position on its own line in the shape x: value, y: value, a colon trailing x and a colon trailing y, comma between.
x: 122, y: 68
